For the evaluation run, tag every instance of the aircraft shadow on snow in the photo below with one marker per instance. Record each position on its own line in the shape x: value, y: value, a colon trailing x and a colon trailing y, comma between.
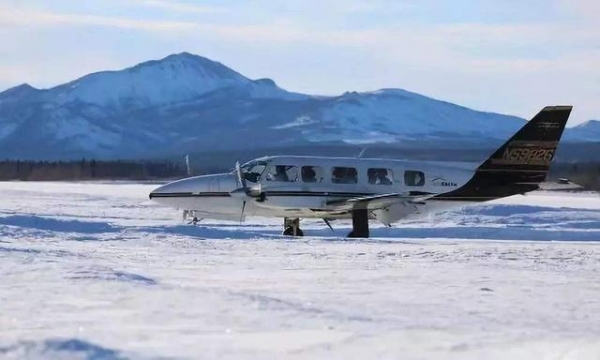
x: 60, y: 348
x: 490, y: 222
x: 58, y: 225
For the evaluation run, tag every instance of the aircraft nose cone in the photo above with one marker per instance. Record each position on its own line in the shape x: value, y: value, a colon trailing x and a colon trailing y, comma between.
x: 157, y: 192
x: 177, y: 188
x: 190, y: 189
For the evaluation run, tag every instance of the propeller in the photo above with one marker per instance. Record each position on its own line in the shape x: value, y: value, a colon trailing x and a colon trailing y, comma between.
x: 244, y: 192
x: 328, y: 224
x: 240, y: 175
x: 187, y: 165
x: 242, y: 214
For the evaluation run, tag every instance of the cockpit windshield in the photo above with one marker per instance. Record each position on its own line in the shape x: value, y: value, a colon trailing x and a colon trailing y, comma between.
x: 253, y: 170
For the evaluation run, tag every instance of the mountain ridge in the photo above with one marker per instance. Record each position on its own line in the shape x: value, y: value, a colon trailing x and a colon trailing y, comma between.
x: 186, y: 102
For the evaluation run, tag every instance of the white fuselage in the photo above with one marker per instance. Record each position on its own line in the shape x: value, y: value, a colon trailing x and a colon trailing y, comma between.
x: 305, y: 187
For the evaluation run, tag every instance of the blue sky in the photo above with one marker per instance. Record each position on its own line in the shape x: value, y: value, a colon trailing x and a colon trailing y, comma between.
x: 505, y: 56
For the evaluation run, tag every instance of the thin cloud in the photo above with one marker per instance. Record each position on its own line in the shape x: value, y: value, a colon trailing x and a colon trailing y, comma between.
x: 585, y: 9
x: 33, y: 18
x: 175, y: 6
x: 552, y: 59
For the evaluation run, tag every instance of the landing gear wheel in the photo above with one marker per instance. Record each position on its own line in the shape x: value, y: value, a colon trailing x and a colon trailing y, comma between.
x: 289, y: 231
x: 360, y: 224
x: 291, y: 227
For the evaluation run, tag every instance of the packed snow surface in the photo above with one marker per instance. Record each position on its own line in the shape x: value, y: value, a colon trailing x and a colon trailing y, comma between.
x: 96, y: 271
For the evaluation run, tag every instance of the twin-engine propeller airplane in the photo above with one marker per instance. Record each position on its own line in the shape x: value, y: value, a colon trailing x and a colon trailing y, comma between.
x: 294, y: 187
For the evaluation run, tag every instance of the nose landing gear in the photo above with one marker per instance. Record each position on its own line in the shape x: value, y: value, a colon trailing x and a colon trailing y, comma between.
x: 292, y: 227
x: 191, y: 214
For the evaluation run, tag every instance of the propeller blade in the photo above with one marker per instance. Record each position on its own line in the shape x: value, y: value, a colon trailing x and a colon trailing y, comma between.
x: 254, y: 192
x: 328, y: 224
x: 240, y: 175
x: 187, y: 165
x: 243, y: 208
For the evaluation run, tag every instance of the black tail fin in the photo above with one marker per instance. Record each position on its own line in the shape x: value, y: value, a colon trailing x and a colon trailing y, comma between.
x: 521, y: 164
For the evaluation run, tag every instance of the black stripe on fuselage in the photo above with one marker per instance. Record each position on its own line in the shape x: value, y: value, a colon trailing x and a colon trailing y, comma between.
x: 465, y: 198
x: 336, y: 194
x: 316, y: 193
x: 267, y: 193
x: 189, y: 194
x: 278, y: 193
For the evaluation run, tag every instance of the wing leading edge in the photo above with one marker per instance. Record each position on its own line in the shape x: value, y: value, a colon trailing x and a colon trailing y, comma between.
x: 377, y: 202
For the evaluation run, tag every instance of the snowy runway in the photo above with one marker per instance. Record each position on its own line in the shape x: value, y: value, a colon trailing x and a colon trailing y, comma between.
x: 97, y: 271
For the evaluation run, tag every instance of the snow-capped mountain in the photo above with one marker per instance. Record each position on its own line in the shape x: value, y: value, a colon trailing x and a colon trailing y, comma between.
x: 175, y: 78
x: 588, y: 131
x: 186, y: 103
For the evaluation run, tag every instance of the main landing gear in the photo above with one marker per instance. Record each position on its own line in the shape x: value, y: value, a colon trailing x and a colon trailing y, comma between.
x: 360, y: 224
x: 292, y: 227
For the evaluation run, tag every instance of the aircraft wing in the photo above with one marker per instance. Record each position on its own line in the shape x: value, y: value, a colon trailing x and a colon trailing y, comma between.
x: 376, y: 202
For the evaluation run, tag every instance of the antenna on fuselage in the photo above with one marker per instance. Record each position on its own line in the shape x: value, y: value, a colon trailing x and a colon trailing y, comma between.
x: 362, y: 152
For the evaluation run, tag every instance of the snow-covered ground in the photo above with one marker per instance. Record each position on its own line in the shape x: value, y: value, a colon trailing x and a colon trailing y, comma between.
x: 97, y: 271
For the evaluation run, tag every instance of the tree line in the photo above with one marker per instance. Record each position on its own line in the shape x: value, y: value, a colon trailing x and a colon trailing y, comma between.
x: 90, y: 170
x: 586, y: 174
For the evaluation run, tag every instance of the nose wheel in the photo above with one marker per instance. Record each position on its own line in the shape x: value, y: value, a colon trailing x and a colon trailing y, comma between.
x: 291, y: 227
x: 191, y: 214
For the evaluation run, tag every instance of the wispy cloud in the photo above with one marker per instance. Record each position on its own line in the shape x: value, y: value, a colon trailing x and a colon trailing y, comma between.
x: 465, y: 53
x: 176, y: 6
x: 34, y: 18
x: 586, y: 9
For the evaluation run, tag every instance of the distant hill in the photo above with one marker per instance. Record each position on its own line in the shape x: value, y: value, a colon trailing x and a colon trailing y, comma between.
x: 186, y: 103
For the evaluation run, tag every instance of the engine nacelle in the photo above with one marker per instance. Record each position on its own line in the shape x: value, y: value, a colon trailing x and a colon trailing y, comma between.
x: 395, y: 212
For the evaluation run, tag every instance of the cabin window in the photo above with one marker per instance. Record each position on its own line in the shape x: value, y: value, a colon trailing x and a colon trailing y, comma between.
x: 344, y: 175
x: 379, y: 176
x: 414, y: 178
x: 312, y: 174
x: 283, y: 173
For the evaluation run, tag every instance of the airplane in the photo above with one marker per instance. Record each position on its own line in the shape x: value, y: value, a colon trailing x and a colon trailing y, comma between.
x: 363, y: 189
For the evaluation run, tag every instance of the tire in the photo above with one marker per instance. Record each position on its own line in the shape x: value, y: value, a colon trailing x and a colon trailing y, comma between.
x: 352, y: 235
x: 289, y: 231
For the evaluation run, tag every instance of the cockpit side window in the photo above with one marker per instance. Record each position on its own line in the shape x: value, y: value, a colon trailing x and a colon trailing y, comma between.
x: 344, y: 175
x: 252, y: 171
x: 283, y: 173
x: 414, y: 178
x: 380, y: 176
x: 312, y: 174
